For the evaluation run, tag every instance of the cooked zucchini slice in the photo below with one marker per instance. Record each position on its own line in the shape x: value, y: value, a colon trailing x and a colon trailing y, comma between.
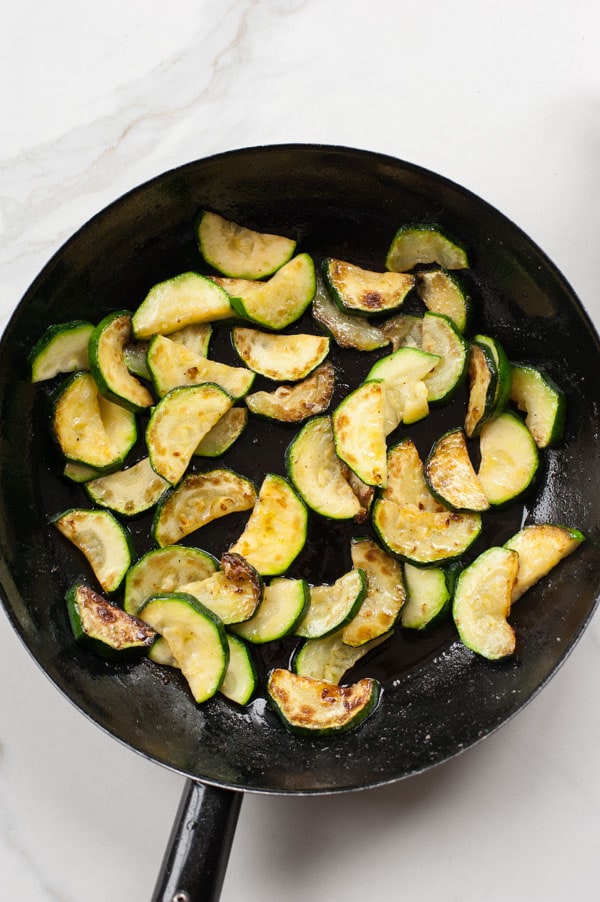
x: 365, y: 494
x: 441, y: 292
x: 424, y: 537
x: 196, y: 638
x: 385, y: 594
x: 404, y: 331
x: 195, y: 337
x: 233, y: 592
x: 503, y: 371
x: 316, y: 707
x: 543, y: 402
x: 165, y: 570
x: 283, y: 298
x: 411, y: 523
x: 224, y: 433
x: 199, y: 499
x: 172, y: 364
x: 424, y: 243
x: 331, y: 607
x: 509, y: 459
x: 90, y: 429
x: 178, y: 424
x: 347, y: 330
x: 103, y: 626
x: 128, y: 492
x: 362, y: 291
x: 279, y: 357
x: 483, y: 379
x: 239, y: 252
x: 181, y: 301
x: 108, y: 366
x: 403, y: 374
x: 450, y: 474
x: 63, y: 348
x: 241, y: 676
x: 318, y: 474
x: 359, y: 430
x: 105, y: 543
x: 540, y: 548
x: 80, y: 473
x: 294, y: 403
x: 276, y: 529
x: 329, y: 657
x: 482, y: 602
x: 429, y: 595
x: 441, y: 337
x: 283, y: 605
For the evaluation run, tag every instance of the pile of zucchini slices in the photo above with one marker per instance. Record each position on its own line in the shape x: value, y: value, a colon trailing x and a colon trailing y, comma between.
x: 183, y: 608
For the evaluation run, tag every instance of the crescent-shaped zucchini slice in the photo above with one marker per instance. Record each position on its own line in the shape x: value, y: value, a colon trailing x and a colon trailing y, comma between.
x: 181, y: 301
x: 298, y: 402
x: 233, y: 592
x: 283, y: 358
x: 103, y: 626
x: 106, y: 544
x: 540, y: 548
x: 416, y: 243
x: 385, y: 596
x: 317, y: 707
x: 240, y: 252
x: 283, y: 605
x: 482, y: 601
x: 196, y: 638
x: 347, y: 330
x: 172, y: 364
x: 332, y: 607
x: 364, y: 292
x: 109, y: 366
x: 359, y: 431
x: 450, y: 474
x: 164, y: 570
x: 276, y: 529
x: 509, y: 459
x: 282, y: 299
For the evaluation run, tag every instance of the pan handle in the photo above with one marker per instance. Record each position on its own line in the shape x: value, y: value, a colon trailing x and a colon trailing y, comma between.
x: 195, y: 861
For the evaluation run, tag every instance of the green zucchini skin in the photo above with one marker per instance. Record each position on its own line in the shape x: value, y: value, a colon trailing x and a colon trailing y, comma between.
x: 534, y: 392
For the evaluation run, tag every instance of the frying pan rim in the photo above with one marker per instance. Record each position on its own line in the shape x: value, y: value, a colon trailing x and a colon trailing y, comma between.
x: 296, y: 148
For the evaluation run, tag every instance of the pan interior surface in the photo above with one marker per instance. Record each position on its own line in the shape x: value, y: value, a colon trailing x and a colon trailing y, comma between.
x: 438, y: 697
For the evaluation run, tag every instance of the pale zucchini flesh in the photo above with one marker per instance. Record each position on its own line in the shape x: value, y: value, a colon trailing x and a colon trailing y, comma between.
x: 540, y: 548
x: 424, y: 243
x: 63, y: 348
x: 165, y: 570
x: 441, y: 292
x: 233, y: 593
x: 428, y: 596
x: 102, y: 539
x: 424, y: 537
x: 89, y: 428
x: 281, y: 357
x: 298, y: 402
x: 331, y: 607
x: 534, y: 392
x: 308, y: 706
x: 178, y: 424
x: 329, y: 657
x: 178, y: 302
x: 276, y: 529
x: 509, y: 459
x: 281, y: 300
x: 223, y: 434
x: 240, y: 252
x: 359, y: 432
x: 385, y: 595
x: 363, y: 291
x: 403, y: 374
x: 240, y: 678
x: 482, y: 601
x: 451, y: 476
x: 128, y: 492
x: 199, y: 499
x: 172, y: 365
x: 441, y: 337
x: 283, y: 605
x: 196, y: 638
x: 317, y: 472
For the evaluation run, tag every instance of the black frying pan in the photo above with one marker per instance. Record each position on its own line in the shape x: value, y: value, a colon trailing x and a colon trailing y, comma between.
x: 438, y: 698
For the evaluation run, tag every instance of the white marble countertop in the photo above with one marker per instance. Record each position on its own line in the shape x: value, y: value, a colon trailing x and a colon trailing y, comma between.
x: 502, y: 98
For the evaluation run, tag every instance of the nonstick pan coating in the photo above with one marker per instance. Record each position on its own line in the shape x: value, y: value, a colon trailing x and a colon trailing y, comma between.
x: 438, y: 698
